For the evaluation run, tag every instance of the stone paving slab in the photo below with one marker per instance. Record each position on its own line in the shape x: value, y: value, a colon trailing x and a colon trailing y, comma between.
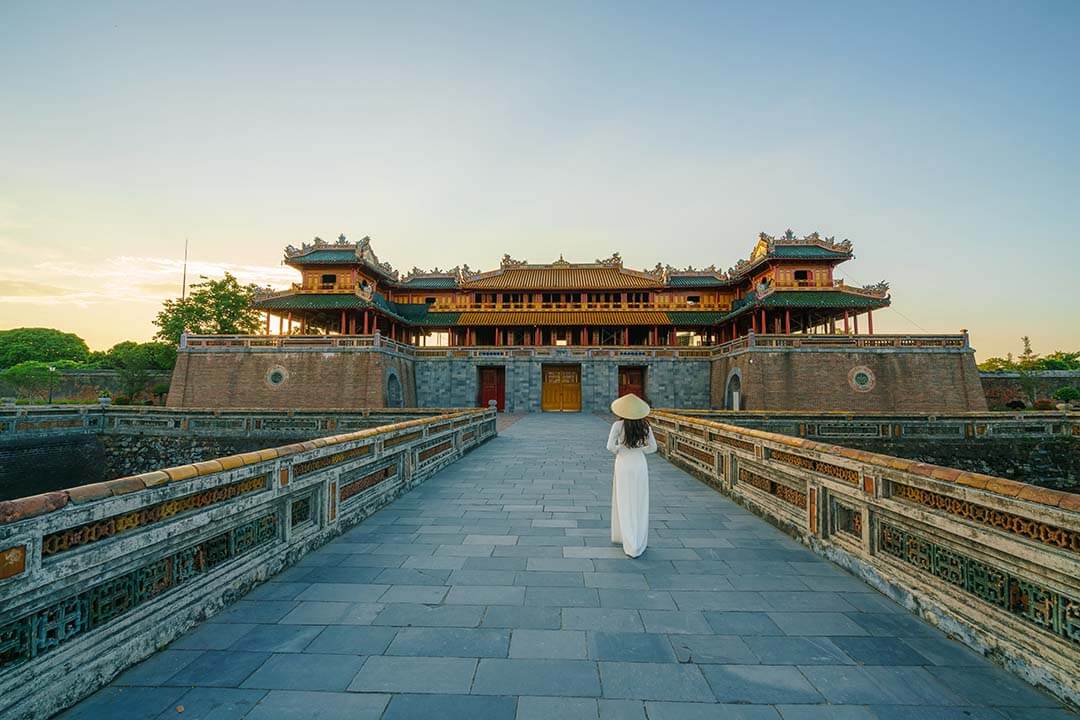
x: 493, y: 592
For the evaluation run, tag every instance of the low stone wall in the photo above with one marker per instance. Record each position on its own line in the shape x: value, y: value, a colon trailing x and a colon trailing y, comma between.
x: 1040, y: 448
x: 86, y: 385
x: 96, y: 578
x: 992, y: 562
x: 51, y: 448
x: 1002, y: 388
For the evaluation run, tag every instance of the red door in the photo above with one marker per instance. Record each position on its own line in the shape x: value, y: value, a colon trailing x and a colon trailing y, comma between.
x: 632, y: 380
x: 493, y: 386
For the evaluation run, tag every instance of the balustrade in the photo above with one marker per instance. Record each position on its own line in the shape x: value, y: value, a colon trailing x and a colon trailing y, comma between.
x: 994, y: 561
x: 95, y: 578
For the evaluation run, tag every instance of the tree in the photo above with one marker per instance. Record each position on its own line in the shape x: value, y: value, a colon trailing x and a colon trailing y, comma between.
x: 35, y: 379
x: 214, y: 307
x: 138, y: 363
x: 40, y: 344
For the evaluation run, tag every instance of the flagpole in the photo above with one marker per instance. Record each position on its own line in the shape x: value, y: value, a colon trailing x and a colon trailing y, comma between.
x: 183, y: 287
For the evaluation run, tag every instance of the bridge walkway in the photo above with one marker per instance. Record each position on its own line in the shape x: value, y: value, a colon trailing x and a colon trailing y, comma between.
x: 493, y: 591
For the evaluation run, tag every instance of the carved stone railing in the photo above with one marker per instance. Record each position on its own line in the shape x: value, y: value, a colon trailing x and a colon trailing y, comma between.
x: 751, y: 342
x: 836, y: 426
x: 95, y: 578
x: 35, y: 421
x: 989, y: 560
x: 321, y: 343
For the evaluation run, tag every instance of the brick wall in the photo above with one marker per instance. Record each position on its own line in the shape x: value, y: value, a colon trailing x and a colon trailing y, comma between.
x: 901, y: 380
x: 310, y: 379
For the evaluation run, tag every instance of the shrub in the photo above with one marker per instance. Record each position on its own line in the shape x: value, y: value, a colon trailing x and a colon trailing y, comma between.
x: 1067, y: 394
x: 1044, y: 405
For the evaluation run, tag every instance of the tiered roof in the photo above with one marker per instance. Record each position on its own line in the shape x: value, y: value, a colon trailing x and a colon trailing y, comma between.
x: 601, y: 275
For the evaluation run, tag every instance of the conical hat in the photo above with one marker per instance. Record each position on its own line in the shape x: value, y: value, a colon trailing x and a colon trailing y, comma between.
x: 631, y: 407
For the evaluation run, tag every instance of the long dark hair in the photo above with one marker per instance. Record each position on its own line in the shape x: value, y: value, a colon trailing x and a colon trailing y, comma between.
x: 635, y: 433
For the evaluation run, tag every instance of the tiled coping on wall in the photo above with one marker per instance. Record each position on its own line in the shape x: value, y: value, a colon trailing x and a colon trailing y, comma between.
x: 992, y: 561
x: 91, y: 577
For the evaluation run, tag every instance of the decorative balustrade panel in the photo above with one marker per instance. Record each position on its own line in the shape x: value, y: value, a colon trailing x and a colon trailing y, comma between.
x: 996, y: 561
x: 233, y: 343
x: 836, y: 426
x: 46, y: 421
x: 94, y: 578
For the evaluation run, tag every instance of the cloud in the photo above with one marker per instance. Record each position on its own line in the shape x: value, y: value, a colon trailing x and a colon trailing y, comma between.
x: 124, y: 279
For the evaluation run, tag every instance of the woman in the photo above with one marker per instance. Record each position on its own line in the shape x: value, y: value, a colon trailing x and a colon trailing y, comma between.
x: 630, y: 439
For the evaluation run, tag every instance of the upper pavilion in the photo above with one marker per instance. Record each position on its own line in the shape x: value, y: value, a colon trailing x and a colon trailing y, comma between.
x: 785, y: 286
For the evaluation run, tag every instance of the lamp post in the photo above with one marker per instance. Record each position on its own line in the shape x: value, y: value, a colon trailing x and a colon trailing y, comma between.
x: 52, y: 376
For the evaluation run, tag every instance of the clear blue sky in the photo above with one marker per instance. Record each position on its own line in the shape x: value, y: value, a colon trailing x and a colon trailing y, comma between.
x: 941, y: 138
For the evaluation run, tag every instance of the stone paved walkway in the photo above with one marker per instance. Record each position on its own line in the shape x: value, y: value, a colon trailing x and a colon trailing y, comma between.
x: 493, y: 591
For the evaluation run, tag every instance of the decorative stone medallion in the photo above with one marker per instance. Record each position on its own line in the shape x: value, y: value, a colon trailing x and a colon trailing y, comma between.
x: 861, y: 378
x: 276, y: 376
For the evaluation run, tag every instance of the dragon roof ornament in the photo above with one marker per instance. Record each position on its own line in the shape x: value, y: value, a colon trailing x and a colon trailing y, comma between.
x: 614, y: 261
x: 509, y: 262
x: 814, y: 238
x: 880, y: 289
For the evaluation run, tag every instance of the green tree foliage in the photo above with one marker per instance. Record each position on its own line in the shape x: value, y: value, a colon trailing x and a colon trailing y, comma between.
x: 1067, y: 394
x: 34, y: 379
x: 214, y: 307
x: 1029, y: 361
x: 138, y: 363
x: 40, y: 344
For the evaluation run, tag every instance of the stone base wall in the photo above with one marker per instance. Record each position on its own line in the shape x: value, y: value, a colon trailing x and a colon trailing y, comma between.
x: 309, y: 379
x: 454, y: 382
x: 32, y: 466
x: 1052, y: 463
x: 922, y: 381
x: 888, y: 379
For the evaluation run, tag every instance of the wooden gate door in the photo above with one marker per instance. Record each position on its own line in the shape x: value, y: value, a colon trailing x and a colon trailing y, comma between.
x: 493, y: 387
x: 561, y: 391
x: 632, y: 380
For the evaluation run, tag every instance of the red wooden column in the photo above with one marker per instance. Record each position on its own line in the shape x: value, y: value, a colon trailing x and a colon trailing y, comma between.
x: 289, y: 321
x: 584, y: 330
x: 267, y: 323
x: 626, y: 335
x: 764, y: 325
x: 280, y: 325
x: 342, y: 326
x: 537, y: 335
x: 856, y: 323
x: 366, y: 330
x: 787, y: 321
x: 870, y: 321
x: 846, y: 328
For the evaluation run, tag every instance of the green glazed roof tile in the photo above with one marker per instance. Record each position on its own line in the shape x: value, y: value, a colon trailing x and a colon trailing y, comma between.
x: 326, y: 257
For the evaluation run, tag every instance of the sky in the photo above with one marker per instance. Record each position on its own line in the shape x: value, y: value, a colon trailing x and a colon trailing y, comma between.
x: 941, y: 138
